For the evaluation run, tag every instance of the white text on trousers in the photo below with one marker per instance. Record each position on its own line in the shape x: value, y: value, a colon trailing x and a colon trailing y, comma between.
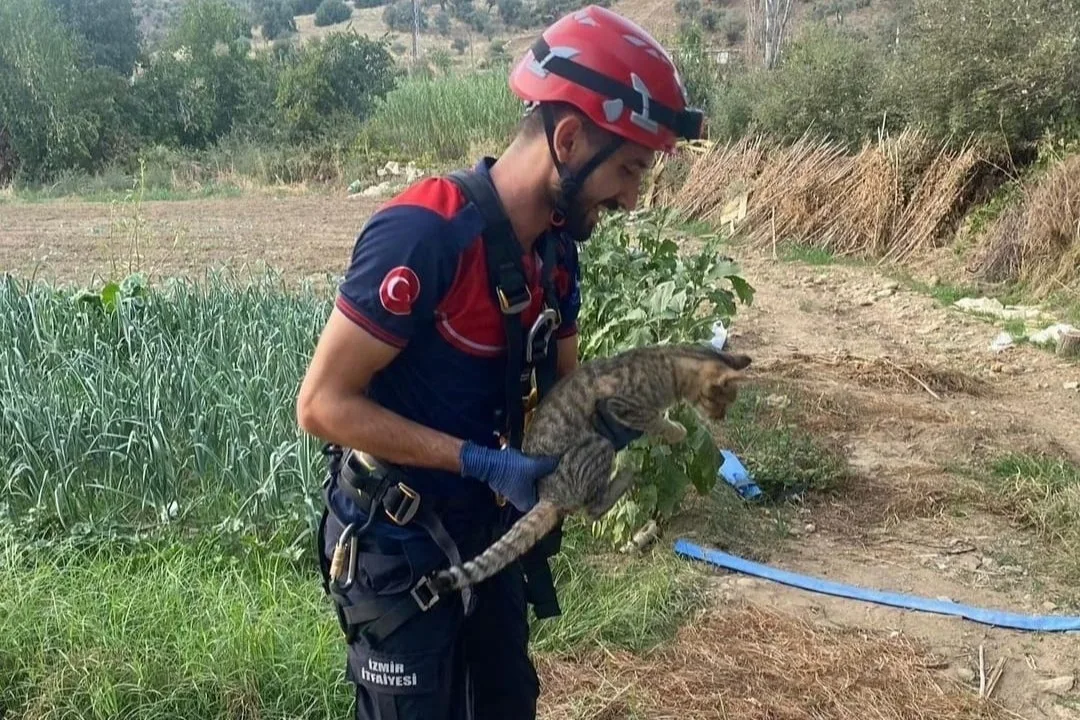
x: 387, y: 673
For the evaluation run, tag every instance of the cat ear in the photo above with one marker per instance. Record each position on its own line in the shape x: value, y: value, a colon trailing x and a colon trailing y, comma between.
x: 735, y: 361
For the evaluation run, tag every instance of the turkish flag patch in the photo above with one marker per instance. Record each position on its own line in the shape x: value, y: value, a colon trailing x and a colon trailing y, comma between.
x: 399, y: 290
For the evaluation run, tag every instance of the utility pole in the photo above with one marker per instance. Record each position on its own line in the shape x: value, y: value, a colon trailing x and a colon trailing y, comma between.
x: 416, y: 29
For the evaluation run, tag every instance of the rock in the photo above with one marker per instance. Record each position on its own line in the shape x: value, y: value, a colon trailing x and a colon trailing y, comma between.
x: 810, y: 527
x: 746, y: 582
x: 965, y: 674
x: 1049, y: 607
x: 1003, y: 341
x: 1057, y: 686
x: 1071, y: 385
x: 893, y: 286
x: 886, y: 292
x: 1051, y: 334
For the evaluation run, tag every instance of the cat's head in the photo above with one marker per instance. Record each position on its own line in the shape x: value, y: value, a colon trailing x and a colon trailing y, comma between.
x: 716, y: 375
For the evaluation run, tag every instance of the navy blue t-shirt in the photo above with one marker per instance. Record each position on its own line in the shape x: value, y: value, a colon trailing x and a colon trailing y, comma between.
x: 418, y: 281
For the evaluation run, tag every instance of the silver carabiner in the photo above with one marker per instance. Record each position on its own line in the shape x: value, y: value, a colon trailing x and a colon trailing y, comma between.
x: 546, y: 319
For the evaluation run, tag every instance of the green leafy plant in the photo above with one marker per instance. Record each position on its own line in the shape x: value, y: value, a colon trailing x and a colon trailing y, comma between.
x: 639, y: 290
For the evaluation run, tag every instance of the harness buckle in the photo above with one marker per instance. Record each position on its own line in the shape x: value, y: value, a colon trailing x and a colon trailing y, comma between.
x: 433, y: 597
x: 514, y: 307
x: 405, y: 509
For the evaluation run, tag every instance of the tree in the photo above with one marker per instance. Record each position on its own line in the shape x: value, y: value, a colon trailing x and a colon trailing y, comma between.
x: 332, y: 12
x: 768, y: 21
x: 276, y: 18
x: 341, y: 76
x: 55, y: 113
x: 201, y: 81
x: 109, y: 27
x: 1003, y: 70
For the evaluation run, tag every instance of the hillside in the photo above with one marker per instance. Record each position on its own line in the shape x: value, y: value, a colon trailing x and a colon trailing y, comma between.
x: 453, y: 41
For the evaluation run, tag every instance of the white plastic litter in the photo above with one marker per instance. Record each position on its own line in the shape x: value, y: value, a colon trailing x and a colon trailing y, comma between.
x: 719, y: 338
x: 1051, y: 334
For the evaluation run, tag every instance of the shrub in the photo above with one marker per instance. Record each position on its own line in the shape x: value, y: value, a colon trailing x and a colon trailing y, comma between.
x: 442, y: 23
x: 1002, y: 70
x: 331, y: 12
x: 276, y: 19
x: 642, y: 291
x: 827, y: 82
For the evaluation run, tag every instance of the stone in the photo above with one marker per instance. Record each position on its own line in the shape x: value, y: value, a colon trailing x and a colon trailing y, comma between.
x: 965, y: 674
x: 1071, y: 385
x: 810, y: 527
x: 1049, y: 607
x: 1058, y: 685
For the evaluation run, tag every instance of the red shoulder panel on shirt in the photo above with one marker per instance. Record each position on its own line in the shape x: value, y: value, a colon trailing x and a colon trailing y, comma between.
x: 433, y: 193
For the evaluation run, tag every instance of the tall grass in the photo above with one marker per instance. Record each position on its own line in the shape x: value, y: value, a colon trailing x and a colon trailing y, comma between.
x: 444, y: 118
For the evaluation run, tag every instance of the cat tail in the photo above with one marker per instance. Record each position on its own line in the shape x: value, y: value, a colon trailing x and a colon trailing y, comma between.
x: 515, y: 542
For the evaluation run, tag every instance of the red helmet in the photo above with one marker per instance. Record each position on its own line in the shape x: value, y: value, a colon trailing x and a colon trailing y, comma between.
x: 613, y: 71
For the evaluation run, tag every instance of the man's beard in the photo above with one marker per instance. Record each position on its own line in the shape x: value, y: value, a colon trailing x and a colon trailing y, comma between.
x: 577, y: 223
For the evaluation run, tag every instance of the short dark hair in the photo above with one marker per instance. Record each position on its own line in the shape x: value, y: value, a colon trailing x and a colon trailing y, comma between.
x: 532, y: 122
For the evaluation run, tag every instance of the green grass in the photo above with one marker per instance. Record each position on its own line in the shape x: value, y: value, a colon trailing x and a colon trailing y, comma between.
x: 1042, y: 493
x: 194, y: 630
x: 782, y: 457
x: 807, y: 254
x: 444, y: 118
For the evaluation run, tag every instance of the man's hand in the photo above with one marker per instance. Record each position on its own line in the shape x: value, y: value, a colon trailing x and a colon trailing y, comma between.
x: 508, y: 472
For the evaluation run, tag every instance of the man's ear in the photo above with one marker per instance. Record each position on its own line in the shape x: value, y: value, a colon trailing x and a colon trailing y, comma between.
x: 569, y: 138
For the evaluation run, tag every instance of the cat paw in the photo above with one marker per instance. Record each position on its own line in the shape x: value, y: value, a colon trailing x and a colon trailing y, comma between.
x: 674, y: 432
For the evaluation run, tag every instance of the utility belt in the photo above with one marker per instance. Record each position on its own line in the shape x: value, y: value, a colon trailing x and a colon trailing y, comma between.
x: 380, y: 490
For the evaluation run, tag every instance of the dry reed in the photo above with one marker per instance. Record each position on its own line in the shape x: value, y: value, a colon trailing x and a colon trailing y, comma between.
x: 1037, y: 241
x: 888, y: 201
x: 756, y: 664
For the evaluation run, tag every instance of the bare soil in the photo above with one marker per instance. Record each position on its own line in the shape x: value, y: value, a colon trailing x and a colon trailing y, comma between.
x: 910, y: 390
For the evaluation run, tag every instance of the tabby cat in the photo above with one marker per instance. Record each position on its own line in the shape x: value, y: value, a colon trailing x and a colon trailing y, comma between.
x: 637, y: 387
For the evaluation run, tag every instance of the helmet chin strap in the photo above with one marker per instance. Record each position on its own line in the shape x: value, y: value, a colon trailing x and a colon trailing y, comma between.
x: 570, y: 183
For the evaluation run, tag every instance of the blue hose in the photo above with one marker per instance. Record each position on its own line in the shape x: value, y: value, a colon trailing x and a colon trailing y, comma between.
x: 1038, y: 623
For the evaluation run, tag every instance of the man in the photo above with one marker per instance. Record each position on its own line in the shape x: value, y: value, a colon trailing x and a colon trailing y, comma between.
x: 410, y: 384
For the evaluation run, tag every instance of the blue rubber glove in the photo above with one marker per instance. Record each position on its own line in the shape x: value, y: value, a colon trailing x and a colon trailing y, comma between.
x: 507, y: 472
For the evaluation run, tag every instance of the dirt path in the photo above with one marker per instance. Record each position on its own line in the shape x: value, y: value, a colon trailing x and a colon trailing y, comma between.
x: 820, y: 329
x: 826, y: 330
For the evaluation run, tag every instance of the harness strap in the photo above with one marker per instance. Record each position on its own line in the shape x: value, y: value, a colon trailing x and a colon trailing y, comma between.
x: 510, y: 291
x: 371, y: 487
x: 539, y: 359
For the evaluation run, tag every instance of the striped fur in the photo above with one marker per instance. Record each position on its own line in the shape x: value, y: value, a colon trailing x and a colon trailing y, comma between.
x: 641, y: 384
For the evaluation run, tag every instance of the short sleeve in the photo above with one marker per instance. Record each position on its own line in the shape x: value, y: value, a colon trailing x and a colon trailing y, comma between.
x: 567, y: 286
x: 401, y: 266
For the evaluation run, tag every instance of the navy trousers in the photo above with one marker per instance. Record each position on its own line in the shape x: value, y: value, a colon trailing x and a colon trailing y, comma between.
x: 440, y: 664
